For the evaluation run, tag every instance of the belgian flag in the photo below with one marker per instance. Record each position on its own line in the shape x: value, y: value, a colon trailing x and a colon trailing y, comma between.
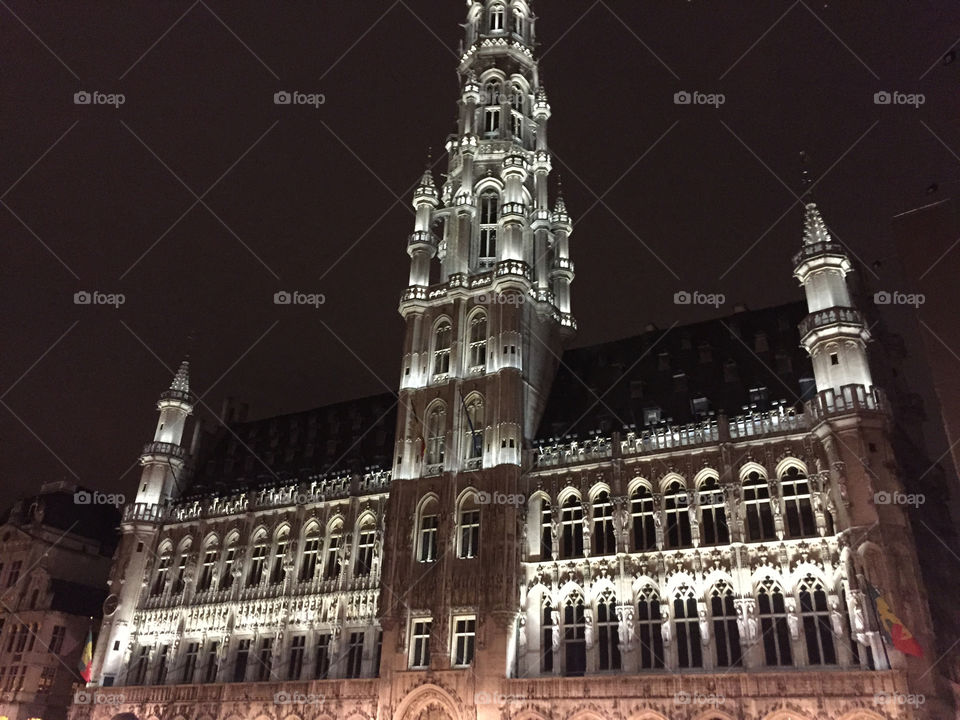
x: 86, y: 658
x: 894, y: 631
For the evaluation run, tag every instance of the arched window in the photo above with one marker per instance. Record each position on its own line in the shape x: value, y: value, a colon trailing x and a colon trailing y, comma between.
x: 798, y: 509
x: 311, y: 553
x: 258, y: 560
x: 603, y: 538
x: 546, y: 529
x: 473, y: 431
x: 574, y: 635
x: 489, y: 216
x: 817, y: 630
x: 713, y: 514
x: 427, y: 528
x: 608, y: 632
x: 163, y: 569
x: 492, y: 101
x: 277, y: 573
x: 478, y: 343
x: 497, y: 18
x: 644, y: 528
x: 726, y: 633
x: 686, y: 620
x: 468, y: 524
x: 756, y: 502
x: 442, y: 338
x: 648, y: 628
x: 366, y: 538
x: 571, y: 525
x: 331, y: 560
x: 676, y: 507
x: 436, y: 437
x: 180, y: 577
x: 546, y: 636
x: 229, y: 558
x: 774, y: 628
x: 208, y: 566
x: 519, y: 23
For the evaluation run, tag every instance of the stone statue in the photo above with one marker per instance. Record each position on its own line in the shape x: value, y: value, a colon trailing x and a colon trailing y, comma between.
x: 522, y: 633
x: 793, y: 620
x: 665, y: 630
x: 555, y: 628
x: 704, y: 626
x: 588, y: 627
x: 836, y: 617
x: 626, y: 628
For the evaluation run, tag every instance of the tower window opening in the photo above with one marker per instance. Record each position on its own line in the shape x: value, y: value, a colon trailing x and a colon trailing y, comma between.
x: 478, y: 343
x: 491, y: 122
x: 489, y: 214
x: 441, y: 350
x: 497, y: 18
x: 834, y: 359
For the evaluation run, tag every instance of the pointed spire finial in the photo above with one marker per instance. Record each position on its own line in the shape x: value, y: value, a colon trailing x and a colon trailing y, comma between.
x: 181, y: 381
x: 814, y: 229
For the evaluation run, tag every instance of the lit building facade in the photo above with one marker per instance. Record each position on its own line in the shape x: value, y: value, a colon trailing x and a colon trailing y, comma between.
x: 478, y: 563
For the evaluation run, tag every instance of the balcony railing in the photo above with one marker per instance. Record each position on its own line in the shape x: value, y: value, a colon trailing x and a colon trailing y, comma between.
x: 164, y: 448
x: 143, y: 512
x: 831, y: 316
x: 850, y: 399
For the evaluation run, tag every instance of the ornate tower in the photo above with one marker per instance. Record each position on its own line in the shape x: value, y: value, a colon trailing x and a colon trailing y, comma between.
x: 486, y: 312
x: 163, y: 461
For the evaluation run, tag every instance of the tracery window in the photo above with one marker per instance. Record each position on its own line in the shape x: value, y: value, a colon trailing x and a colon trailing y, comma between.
x: 644, y: 528
x: 478, y: 342
x: 442, y: 338
x: 163, y: 568
x: 686, y: 622
x: 207, y: 570
x: 427, y: 532
x: 436, y: 437
x: 366, y: 539
x: 817, y: 630
x: 258, y: 560
x: 331, y: 563
x: 756, y: 502
x: 608, y: 632
x: 229, y: 558
x: 676, y: 508
x: 798, y: 509
x: 603, y: 537
x: 489, y: 216
x: 546, y: 636
x: 473, y: 430
x: 546, y: 529
x: 497, y: 18
x: 571, y: 525
x: 713, y: 514
x: 280, y: 551
x: 774, y: 627
x: 468, y: 524
x: 311, y: 553
x: 726, y: 632
x: 574, y: 635
x: 648, y: 628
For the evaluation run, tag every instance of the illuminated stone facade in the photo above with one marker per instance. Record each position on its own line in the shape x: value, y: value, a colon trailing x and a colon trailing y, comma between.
x: 711, y: 570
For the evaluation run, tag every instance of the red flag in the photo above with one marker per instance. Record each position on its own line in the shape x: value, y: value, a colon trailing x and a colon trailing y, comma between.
x: 86, y: 658
x: 894, y: 631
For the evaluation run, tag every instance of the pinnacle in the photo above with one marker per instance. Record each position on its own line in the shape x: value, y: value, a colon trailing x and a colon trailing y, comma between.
x: 181, y: 381
x: 814, y: 229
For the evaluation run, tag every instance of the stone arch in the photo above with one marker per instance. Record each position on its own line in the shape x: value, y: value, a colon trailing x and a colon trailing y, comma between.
x: 749, y: 467
x: 598, y: 488
x: 566, y: 493
x: 703, y: 475
x: 791, y: 462
x: 428, y: 702
x: 637, y: 482
x: 670, y: 478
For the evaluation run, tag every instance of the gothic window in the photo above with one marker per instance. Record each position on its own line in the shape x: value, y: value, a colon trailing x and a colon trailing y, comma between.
x: 427, y: 532
x: 497, y: 18
x: 571, y: 526
x: 489, y: 215
x: 442, y: 337
x: 519, y: 23
x: 190, y: 662
x: 608, y: 632
x: 180, y: 579
x: 160, y: 674
x: 211, y: 662
x: 468, y: 524
x: 797, y: 506
x: 321, y: 668
x: 686, y: 621
x: 436, y: 437
x: 574, y: 635
x: 420, y: 644
x: 491, y: 122
x: 817, y: 630
x: 464, y: 635
x: 726, y: 633
x: 774, y: 628
x: 603, y: 538
x: 295, y: 664
x: 229, y: 558
x: 139, y: 671
x: 365, y: 541
x: 163, y: 567
x: 641, y: 510
x: 648, y: 629
x: 473, y: 430
x: 265, y: 659
x: 675, y: 505
x: 331, y: 560
x: 546, y: 637
x: 209, y: 566
x: 241, y: 660
x: 478, y: 343
x: 756, y: 503
x: 713, y: 514
x: 258, y: 560
x: 311, y: 553
x: 280, y: 551
x: 546, y: 529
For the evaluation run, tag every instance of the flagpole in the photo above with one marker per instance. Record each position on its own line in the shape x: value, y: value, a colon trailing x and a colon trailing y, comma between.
x: 876, y: 619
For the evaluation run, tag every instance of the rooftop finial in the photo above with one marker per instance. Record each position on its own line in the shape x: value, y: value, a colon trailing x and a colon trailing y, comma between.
x: 181, y: 381
x: 814, y: 229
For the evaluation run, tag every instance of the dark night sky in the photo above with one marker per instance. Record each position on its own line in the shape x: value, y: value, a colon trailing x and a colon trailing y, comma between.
x: 307, y: 199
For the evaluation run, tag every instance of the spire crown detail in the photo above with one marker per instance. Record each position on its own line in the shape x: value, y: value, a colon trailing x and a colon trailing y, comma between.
x: 814, y: 229
x: 181, y: 381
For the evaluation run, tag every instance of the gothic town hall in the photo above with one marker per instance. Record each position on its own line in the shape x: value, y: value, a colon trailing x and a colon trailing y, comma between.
x: 493, y: 541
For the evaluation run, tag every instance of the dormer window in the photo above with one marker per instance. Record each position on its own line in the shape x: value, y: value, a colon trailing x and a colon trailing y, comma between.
x: 497, y: 18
